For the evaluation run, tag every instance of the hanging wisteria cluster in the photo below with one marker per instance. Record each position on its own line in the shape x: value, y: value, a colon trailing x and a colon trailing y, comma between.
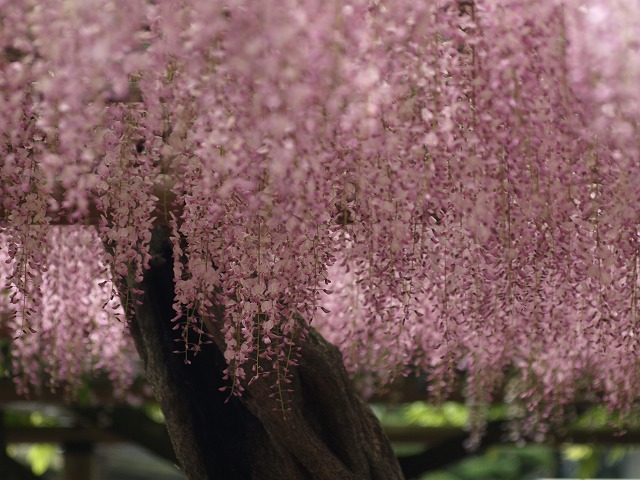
x: 444, y: 186
x: 80, y: 332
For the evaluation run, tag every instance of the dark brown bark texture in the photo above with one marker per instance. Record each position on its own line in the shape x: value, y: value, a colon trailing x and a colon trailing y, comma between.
x: 328, y: 433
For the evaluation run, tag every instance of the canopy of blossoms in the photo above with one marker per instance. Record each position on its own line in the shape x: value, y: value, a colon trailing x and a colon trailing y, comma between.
x: 439, y: 186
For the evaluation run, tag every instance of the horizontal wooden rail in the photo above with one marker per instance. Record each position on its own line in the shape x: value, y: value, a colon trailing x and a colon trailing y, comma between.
x: 101, y: 393
x: 409, y: 434
x: 59, y: 435
x: 579, y: 435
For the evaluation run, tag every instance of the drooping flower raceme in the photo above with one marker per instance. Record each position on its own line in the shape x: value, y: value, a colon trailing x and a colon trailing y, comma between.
x: 78, y: 323
x: 438, y: 186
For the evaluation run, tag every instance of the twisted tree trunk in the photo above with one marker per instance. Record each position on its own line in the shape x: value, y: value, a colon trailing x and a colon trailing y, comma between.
x: 328, y: 434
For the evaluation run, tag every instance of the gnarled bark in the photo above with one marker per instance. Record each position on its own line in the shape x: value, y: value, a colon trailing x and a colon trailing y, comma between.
x: 329, y: 433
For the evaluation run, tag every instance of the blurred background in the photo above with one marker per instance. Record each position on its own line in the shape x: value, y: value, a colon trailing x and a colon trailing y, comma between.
x: 96, y: 437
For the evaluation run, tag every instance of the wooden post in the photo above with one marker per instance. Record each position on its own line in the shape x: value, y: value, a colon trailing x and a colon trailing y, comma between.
x: 79, y: 461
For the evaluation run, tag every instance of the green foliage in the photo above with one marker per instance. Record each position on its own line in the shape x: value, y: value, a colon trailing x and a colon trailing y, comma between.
x: 19, y: 418
x: 592, y: 460
x: 40, y: 456
x: 501, y: 463
x: 426, y: 415
x: 154, y: 412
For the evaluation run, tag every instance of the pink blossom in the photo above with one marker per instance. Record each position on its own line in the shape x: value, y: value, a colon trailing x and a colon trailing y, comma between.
x: 463, y: 178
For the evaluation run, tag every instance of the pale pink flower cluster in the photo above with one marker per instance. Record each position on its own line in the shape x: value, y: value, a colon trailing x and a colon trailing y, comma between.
x: 462, y: 176
x: 78, y: 333
x: 605, y: 64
